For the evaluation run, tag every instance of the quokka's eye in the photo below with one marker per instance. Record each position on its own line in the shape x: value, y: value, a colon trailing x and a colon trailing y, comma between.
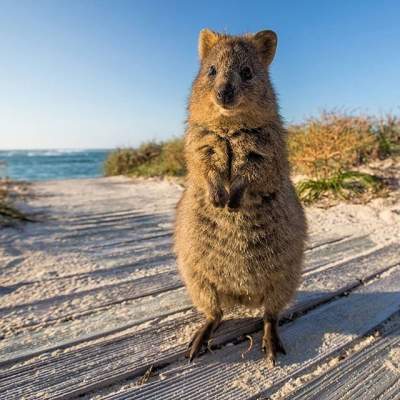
x: 245, y: 74
x: 212, y: 71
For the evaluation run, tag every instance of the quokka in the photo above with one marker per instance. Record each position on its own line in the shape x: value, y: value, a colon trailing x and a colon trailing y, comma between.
x: 240, y: 229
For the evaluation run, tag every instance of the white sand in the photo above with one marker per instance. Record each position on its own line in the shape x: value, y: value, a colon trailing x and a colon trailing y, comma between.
x: 48, y: 259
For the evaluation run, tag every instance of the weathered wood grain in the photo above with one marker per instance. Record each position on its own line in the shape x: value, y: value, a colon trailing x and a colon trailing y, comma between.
x: 68, y: 375
x: 85, y: 322
x: 73, y: 305
x: 336, y: 251
x: 65, y: 305
x: 310, y: 340
x: 91, y: 326
x: 371, y: 373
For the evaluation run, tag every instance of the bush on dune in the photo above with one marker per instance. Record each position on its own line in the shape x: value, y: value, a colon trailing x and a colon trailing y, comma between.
x: 324, y: 146
x: 123, y: 161
x: 387, y: 131
x: 148, y: 160
x: 343, y: 185
x: 328, y: 148
x: 8, y: 211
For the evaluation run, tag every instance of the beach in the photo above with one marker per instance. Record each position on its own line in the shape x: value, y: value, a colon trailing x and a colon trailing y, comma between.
x: 51, y: 164
x: 117, y: 117
x: 98, y: 267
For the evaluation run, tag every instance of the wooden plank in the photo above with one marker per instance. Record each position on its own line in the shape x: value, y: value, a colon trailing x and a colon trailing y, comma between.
x: 93, y: 325
x: 73, y: 305
x: 67, y: 375
x: 96, y: 251
x: 78, y: 217
x: 84, y: 217
x: 309, y: 340
x: 117, y: 243
x: 107, y: 218
x: 82, y: 326
x: 139, y: 253
x: 144, y: 252
x: 109, y: 268
x: 137, y: 220
x: 162, y: 234
x: 133, y: 239
x: 110, y: 263
x: 324, y: 255
x: 318, y: 240
x: 393, y: 392
x: 134, y: 219
x: 367, y: 374
x: 94, y: 233
x: 65, y: 304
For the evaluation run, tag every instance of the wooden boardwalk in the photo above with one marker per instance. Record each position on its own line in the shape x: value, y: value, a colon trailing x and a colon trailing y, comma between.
x: 91, y: 306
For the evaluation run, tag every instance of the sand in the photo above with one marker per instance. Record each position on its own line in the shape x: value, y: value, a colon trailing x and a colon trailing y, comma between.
x: 84, y: 226
x: 89, y: 242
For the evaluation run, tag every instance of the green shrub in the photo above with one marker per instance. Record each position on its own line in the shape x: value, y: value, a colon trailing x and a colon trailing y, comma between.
x: 387, y: 130
x: 343, y: 185
x: 149, y: 159
x: 123, y: 161
x: 8, y: 212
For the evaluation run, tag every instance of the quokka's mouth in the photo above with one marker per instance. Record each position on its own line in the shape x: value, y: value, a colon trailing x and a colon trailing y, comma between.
x: 228, y: 109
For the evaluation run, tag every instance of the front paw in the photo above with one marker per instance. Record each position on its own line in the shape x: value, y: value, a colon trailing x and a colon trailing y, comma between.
x: 234, y: 202
x: 235, y: 197
x: 218, y: 196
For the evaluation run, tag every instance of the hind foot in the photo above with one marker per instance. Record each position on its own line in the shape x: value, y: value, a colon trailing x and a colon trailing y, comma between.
x: 200, y: 338
x: 271, y: 343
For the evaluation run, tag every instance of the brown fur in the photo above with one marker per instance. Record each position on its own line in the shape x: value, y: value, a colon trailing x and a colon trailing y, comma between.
x: 240, y: 229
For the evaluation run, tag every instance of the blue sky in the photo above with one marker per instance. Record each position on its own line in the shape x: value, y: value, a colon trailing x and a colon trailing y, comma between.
x: 115, y: 73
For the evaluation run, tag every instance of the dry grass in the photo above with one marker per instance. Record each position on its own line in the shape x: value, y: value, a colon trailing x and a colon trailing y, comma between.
x: 322, y: 147
x: 328, y: 149
x: 9, y: 193
x: 150, y: 159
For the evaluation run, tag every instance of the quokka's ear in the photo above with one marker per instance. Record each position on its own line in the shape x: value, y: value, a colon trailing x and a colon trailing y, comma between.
x: 207, y: 40
x: 265, y: 42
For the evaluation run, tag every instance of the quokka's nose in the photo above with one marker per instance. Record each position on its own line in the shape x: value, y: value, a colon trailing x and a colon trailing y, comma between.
x: 226, y: 94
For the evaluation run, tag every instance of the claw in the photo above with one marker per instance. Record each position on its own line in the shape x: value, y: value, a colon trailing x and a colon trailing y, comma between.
x: 271, y: 343
x: 200, y: 338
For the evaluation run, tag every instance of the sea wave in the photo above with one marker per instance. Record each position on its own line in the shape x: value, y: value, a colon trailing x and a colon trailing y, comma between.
x: 54, y: 153
x: 51, y: 163
x: 44, y: 152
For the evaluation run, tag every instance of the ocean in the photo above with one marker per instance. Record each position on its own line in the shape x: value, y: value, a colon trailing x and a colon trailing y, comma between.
x: 36, y: 165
